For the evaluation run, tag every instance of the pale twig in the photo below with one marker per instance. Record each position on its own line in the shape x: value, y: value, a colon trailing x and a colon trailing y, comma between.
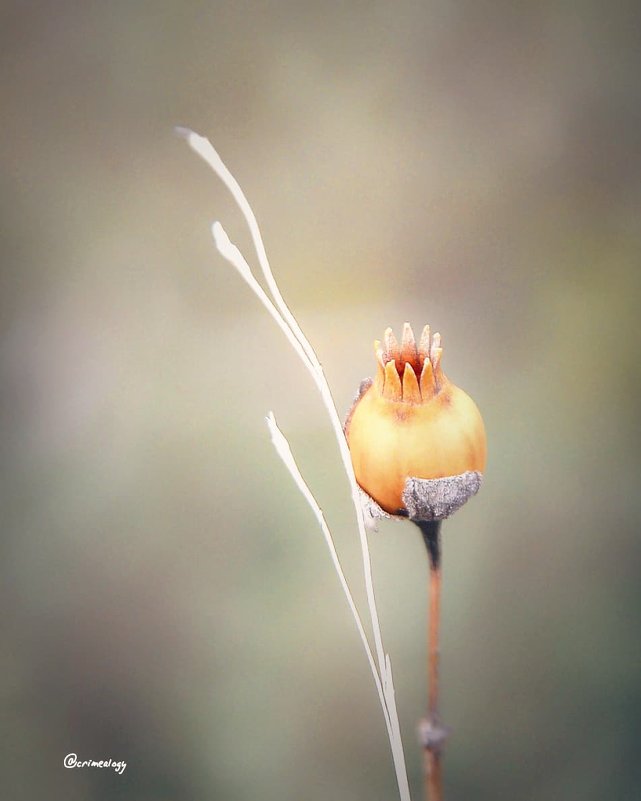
x: 288, y: 324
x: 230, y: 252
x: 284, y: 451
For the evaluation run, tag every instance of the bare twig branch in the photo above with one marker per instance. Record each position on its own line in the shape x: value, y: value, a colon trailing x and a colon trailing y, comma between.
x: 287, y: 323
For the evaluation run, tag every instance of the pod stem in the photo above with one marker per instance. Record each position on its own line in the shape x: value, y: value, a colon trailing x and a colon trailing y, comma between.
x: 431, y: 730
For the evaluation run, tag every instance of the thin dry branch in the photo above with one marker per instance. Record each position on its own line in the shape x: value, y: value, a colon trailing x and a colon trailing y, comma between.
x: 288, y: 324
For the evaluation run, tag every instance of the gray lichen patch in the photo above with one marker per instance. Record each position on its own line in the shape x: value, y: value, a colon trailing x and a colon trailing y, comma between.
x: 438, y: 498
x: 426, y: 499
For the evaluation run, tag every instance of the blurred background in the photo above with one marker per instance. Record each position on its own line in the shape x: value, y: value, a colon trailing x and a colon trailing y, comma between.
x: 167, y: 597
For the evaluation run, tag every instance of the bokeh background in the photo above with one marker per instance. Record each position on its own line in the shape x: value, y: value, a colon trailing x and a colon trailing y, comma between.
x: 166, y: 595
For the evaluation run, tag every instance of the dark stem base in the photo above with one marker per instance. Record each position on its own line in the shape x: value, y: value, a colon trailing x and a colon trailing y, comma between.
x: 431, y: 531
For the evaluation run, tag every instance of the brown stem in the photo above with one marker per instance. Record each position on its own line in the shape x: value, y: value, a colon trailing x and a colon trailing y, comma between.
x: 433, y: 734
x: 433, y: 776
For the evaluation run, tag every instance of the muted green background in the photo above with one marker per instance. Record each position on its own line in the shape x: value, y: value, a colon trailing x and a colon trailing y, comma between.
x: 167, y: 598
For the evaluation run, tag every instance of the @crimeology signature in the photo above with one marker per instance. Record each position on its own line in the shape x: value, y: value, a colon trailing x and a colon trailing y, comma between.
x: 72, y: 761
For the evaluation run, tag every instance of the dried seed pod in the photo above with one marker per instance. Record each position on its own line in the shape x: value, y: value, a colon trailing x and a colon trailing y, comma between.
x: 417, y: 441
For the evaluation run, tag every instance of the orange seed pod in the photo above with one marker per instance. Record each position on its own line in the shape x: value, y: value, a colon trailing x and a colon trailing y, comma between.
x: 417, y: 441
